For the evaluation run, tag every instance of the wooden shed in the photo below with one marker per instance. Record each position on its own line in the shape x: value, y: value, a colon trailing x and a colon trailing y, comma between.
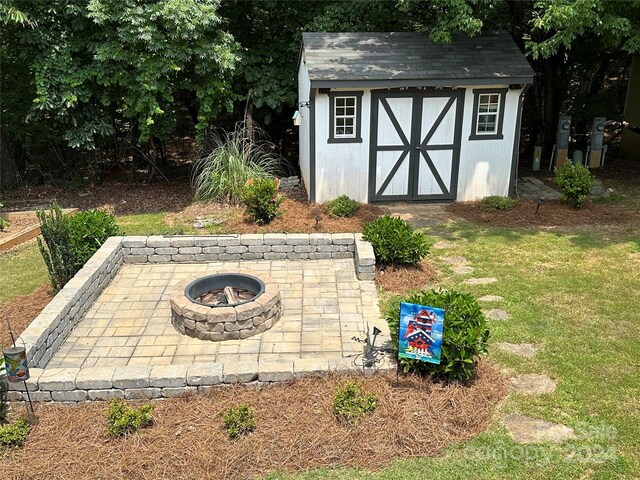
x: 395, y: 117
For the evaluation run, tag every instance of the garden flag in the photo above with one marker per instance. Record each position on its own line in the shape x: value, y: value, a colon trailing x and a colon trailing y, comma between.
x: 420, y: 336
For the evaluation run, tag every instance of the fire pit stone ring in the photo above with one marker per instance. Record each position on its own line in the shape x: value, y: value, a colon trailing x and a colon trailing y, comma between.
x: 218, y: 321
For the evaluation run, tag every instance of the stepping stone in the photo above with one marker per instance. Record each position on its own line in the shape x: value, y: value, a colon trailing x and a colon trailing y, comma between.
x: 491, y: 298
x: 496, y: 314
x: 480, y: 281
x: 462, y: 270
x: 455, y: 260
x: 533, y: 384
x: 530, y: 430
x: 523, y: 349
x: 442, y: 244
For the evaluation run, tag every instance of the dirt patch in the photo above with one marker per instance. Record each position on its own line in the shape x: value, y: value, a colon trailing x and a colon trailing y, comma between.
x: 17, y: 226
x: 21, y: 311
x: 296, y: 431
x: 554, y: 213
x: 403, y: 278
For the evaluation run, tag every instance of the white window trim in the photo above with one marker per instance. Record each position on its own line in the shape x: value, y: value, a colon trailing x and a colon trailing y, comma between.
x: 356, y: 137
x: 354, y: 117
x: 495, y: 113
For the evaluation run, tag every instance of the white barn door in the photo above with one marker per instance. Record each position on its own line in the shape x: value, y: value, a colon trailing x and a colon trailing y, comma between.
x: 415, y: 145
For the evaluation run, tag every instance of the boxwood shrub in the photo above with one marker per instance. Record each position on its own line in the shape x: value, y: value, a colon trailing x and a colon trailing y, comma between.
x: 394, y: 241
x: 575, y: 182
x: 464, y: 339
x: 341, y: 206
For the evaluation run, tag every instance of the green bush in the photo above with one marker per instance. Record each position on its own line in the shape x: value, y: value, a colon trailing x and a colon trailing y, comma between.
x: 123, y: 419
x: 394, y: 241
x: 4, y: 404
x: 261, y: 199
x: 239, y: 420
x: 464, y: 339
x: 575, y: 182
x: 497, y: 203
x: 350, y: 404
x: 14, y: 434
x: 235, y: 158
x: 341, y: 206
x: 68, y: 242
x: 3, y: 223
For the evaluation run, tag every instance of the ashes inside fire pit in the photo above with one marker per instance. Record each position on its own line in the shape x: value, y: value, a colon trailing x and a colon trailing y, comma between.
x: 225, y: 306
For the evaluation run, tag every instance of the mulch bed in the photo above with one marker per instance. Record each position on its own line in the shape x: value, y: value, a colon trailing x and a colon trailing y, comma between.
x: 17, y: 226
x: 403, y: 278
x: 553, y: 213
x: 21, y: 311
x: 118, y: 198
x: 296, y: 431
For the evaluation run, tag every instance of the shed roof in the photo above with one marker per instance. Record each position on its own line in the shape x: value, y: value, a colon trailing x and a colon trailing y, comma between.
x: 411, y: 59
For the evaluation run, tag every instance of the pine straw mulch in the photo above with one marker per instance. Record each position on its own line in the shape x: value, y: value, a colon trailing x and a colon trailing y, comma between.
x: 299, y: 217
x: 296, y: 430
x: 21, y: 311
x: 403, y: 278
x: 118, y: 198
x: 553, y: 213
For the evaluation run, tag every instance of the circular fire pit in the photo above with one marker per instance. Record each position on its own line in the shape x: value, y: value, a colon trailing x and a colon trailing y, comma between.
x: 225, y: 306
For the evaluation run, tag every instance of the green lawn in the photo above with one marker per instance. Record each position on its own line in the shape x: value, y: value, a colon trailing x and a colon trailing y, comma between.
x: 21, y: 272
x: 576, y: 296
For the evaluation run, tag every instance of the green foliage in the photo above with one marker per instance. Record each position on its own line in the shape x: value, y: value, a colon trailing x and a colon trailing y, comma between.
x: 235, y: 158
x: 4, y: 404
x: 14, y: 434
x: 575, y: 182
x: 239, y: 420
x: 67, y: 242
x: 89, y: 230
x: 3, y: 223
x: 124, y: 420
x: 497, y: 203
x: 465, y: 334
x: 394, y: 241
x: 350, y: 403
x: 261, y: 199
x: 341, y: 206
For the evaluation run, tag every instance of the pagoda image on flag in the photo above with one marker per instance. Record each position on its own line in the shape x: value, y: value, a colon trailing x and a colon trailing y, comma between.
x: 420, y: 336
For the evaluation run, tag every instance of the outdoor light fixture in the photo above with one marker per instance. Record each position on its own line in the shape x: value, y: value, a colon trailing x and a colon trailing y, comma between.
x: 318, y: 218
x: 303, y: 104
x: 540, y: 202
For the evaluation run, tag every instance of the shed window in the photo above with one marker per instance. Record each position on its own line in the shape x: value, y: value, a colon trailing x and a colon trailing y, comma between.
x: 488, y: 114
x: 345, y: 117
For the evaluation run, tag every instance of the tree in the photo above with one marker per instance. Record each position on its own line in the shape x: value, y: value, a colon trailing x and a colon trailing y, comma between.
x: 569, y: 43
x: 95, y: 68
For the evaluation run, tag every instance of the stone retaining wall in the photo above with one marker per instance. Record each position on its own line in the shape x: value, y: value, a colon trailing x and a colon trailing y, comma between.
x: 49, y: 329
x: 225, y: 248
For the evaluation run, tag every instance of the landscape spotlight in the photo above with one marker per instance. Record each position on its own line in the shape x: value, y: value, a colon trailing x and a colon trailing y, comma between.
x: 318, y: 218
x: 540, y: 202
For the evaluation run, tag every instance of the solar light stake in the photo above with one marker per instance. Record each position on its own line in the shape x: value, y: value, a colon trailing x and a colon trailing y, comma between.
x: 540, y: 202
x: 318, y: 218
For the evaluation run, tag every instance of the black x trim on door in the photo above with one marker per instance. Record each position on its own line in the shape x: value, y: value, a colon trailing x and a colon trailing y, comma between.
x: 414, y: 146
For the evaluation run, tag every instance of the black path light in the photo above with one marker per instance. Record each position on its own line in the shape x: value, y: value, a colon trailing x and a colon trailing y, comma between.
x: 16, y: 366
x: 317, y: 219
x: 540, y: 202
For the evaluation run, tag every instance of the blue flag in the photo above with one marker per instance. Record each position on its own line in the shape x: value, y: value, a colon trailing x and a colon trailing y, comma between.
x: 420, y: 336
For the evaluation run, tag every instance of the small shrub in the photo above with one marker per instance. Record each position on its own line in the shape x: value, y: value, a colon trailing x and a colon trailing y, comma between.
x: 68, y: 242
x: 235, y: 157
x: 3, y: 223
x: 394, y: 241
x: 341, y: 206
x: 239, y: 420
x: 14, y: 434
x: 124, y: 420
x: 4, y: 404
x: 497, y: 203
x: 261, y: 199
x: 464, y: 339
x: 350, y: 404
x: 575, y: 182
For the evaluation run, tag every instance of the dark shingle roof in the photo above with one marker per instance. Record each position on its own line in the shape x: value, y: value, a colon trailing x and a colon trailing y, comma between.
x: 411, y: 59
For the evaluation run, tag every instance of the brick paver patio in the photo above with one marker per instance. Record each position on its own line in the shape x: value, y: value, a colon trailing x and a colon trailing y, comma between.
x: 324, y: 306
